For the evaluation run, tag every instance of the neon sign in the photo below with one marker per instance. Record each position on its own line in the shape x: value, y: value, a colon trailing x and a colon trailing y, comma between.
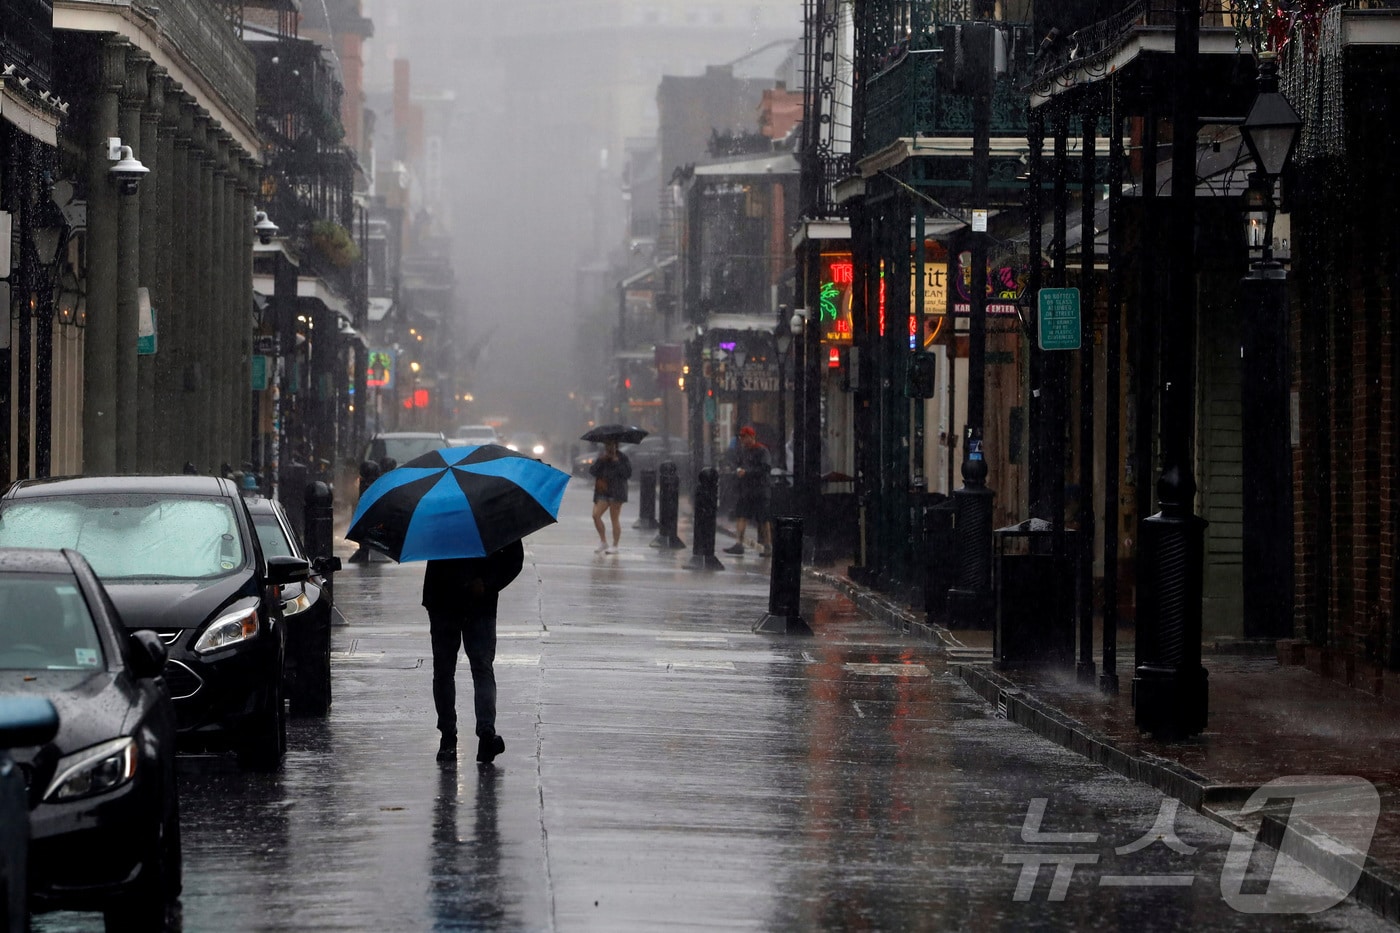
x: 379, y: 372
x: 837, y: 292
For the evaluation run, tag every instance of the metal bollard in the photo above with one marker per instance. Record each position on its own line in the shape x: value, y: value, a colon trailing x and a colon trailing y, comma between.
x: 667, y: 538
x: 369, y: 472
x: 785, y: 581
x: 706, y: 513
x: 320, y: 528
x: 646, y: 501
x: 970, y: 602
x: 292, y: 491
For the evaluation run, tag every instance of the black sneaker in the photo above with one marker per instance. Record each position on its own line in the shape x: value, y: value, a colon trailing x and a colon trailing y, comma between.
x: 489, y: 747
x: 735, y: 548
x: 447, y: 748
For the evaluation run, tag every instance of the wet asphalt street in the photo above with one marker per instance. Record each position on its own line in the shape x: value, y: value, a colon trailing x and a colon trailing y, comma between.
x: 667, y: 769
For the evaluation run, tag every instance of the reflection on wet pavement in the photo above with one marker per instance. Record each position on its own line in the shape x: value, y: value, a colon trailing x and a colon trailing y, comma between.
x: 667, y: 768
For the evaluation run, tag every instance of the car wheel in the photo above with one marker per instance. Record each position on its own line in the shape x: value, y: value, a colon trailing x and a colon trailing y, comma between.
x: 311, y: 688
x: 264, y: 739
x: 152, y: 902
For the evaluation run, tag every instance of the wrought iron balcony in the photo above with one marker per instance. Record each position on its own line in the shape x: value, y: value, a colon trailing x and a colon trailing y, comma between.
x: 201, y: 33
x: 26, y: 40
x: 905, y: 99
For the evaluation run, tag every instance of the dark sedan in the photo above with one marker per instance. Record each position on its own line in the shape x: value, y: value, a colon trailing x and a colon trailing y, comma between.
x: 308, y: 608
x: 105, y: 826
x: 179, y: 556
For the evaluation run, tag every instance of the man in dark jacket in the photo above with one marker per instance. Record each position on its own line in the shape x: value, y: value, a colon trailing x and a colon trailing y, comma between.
x: 460, y: 596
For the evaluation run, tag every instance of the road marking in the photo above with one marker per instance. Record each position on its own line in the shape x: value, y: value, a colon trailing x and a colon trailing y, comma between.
x: 887, y: 670
x: 517, y: 660
x: 696, y: 665
x: 859, y: 712
x: 694, y: 639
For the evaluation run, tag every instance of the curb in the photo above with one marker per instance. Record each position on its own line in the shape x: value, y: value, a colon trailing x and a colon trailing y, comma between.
x: 888, y: 612
x: 1378, y: 887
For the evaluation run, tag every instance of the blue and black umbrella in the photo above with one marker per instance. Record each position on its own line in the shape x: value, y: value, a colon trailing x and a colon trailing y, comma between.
x: 457, y: 502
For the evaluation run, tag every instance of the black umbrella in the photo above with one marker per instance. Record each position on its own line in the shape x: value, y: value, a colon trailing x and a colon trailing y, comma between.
x: 623, y: 434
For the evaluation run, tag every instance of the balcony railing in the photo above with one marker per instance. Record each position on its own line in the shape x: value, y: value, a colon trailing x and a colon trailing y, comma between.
x: 906, y: 99
x: 206, y: 40
x: 26, y: 39
x: 1254, y: 24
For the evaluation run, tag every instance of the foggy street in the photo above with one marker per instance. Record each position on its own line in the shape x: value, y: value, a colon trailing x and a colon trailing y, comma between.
x: 666, y: 768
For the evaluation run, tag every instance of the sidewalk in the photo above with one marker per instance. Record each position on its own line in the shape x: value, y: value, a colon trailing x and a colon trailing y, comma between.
x: 1266, y: 721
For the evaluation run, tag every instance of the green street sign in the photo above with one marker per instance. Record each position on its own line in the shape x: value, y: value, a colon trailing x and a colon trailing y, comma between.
x: 1058, y: 318
x: 259, y: 372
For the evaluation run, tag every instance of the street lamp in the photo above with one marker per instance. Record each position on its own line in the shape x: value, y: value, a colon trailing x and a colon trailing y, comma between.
x: 1270, y: 132
x: 782, y: 340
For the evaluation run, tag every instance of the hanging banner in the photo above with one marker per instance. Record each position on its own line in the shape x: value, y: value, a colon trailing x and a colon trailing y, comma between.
x: 1005, y: 286
x: 145, y: 324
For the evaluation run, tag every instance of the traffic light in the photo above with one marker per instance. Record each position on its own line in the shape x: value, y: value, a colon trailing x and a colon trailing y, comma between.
x: 922, y: 381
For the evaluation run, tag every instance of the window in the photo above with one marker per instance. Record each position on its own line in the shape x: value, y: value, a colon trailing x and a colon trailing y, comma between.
x: 45, y: 625
x: 127, y: 536
x: 270, y: 535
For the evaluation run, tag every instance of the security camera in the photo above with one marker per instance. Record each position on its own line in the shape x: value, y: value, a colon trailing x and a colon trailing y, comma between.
x: 128, y: 171
x: 264, y: 227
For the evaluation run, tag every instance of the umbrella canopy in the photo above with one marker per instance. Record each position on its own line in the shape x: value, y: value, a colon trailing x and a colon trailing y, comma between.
x: 457, y: 502
x: 622, y: 433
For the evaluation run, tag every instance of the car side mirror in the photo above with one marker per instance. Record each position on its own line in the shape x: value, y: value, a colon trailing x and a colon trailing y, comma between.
x: 282, y: 570
x: 325, y: 565
x: 148, y: 654
x: 26, y: 721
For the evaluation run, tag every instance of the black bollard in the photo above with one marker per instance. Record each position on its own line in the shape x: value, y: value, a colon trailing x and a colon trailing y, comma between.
x: 785, y: 581
x: 291, y: 489
x: 318, y: 503
x: 646, y: 502
x: 369, y: 472
x: 670, y: 483
x: 706, y: 512
x: 319, y: 519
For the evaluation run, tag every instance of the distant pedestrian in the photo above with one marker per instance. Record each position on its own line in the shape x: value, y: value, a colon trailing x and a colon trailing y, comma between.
x: 611, y: 471
x: 461, y: 596
x: 752, y: 472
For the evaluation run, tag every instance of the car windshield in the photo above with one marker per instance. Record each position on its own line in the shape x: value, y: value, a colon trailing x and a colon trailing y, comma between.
x: 132, y: 536
x: 271, y: 536
x: 45, y: 625
x: 403, y: 449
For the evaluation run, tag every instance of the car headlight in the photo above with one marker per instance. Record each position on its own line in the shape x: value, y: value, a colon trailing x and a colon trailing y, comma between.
x: 513, y: 447
x: 228, y: 630
x: 537, y: 450
x: 94, y: 770
x: 298, y: 603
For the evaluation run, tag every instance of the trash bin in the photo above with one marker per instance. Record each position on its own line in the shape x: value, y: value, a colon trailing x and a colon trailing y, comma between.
x: 1028, y: 632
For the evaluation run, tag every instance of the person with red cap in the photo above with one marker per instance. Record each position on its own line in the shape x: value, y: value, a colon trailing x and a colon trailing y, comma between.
x: 752, y: 471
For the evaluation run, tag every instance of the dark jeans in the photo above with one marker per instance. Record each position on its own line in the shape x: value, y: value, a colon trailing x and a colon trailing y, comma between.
x: 475, y: 631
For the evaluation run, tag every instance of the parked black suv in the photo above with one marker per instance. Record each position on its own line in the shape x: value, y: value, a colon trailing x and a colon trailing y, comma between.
x: 178, y: 555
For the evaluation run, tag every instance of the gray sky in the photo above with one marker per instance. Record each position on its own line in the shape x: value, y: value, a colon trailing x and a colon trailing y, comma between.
x: 546, y: 93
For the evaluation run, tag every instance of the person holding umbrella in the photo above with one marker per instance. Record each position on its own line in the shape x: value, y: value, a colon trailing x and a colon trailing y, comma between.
x: 460, y: 595
x: 464, y: 510
x: 610, y: 471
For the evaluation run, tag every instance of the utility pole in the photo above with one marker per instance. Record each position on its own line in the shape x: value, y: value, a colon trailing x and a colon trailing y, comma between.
x: 1169, y: 683
x: 968, y: 600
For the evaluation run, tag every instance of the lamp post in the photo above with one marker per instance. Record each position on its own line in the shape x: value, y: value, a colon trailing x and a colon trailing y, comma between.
x: 783, y: 332
x: 1270, y: 132
x: 1170, y: 695
x: 782, y: 341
